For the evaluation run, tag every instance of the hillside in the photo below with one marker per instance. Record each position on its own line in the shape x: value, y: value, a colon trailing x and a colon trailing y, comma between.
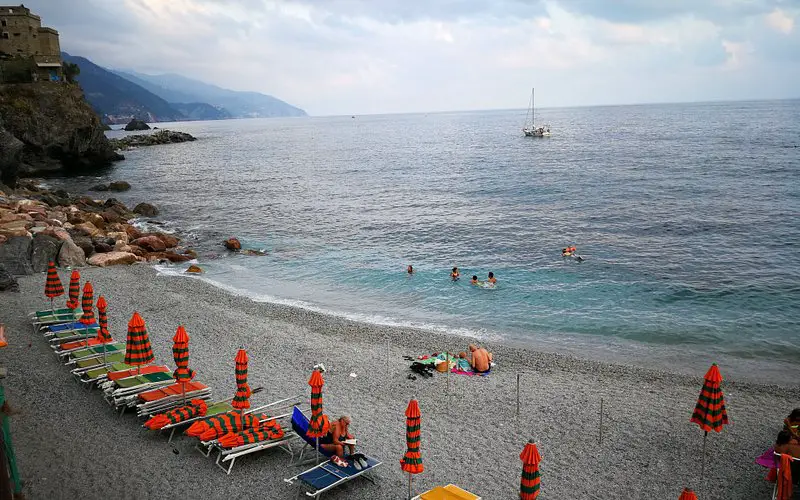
x: 200, y: 111
x: 116, y: 99
x: 176, y: 88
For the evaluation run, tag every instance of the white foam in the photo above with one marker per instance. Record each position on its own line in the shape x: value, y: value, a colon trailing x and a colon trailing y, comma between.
x: 372, y: 319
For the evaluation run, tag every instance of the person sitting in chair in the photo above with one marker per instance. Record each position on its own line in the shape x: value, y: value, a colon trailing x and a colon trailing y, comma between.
x: 338, y: 432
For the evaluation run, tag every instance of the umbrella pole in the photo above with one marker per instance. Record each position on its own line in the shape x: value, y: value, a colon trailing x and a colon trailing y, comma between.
x: 183, y: 396
x: 409, y: 486
x: 447, y: 367
x: 601, y: 421
x: 317, y: 441
x: 703, y: 463
x: 52, y: 306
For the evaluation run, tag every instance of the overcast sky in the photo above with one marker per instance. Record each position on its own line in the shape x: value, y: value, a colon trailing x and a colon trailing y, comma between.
x: 383, y: 56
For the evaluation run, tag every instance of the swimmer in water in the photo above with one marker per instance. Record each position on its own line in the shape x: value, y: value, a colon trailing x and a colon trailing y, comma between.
x: 455, y: 274
x: 492, y: 280
x: 474, y: 280
x: 410, y: 269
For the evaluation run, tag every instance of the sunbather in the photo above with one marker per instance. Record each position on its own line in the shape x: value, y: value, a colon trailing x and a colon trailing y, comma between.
x: 786, y: 443
x: 333, y: 441
x: 481, y: 361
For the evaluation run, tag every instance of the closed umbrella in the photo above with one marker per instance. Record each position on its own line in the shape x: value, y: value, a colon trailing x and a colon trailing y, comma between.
x: 412, y: 458
x: 710, y: 413
x: 74, y: 290
x: 687, y: 495
x: 319, y: 425
x: 180, y: 353
x: 195, y: 408
x: 269, y: 429
x: 53, y: 287
x: 241, y: 401
x: 530, y: 482
x: 137, y: 347
x: 103, y: 335
x: 87, y: 318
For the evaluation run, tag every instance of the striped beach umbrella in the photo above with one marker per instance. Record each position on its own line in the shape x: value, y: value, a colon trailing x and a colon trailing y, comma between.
x: 137, y: 347
x: 412, y: 458
x: 103, y: 335
x: 87, y: 304
x: 241, y: 401
x: 195, y: 408
x: 318, y: 426
x: 269, y: 428
x: 687, y: 495
x: 53, y: 287
x: 530, y: 482
x: 219, y: 425
x: 710, y: 413
x: 180, y: 353
x: 74, y: 290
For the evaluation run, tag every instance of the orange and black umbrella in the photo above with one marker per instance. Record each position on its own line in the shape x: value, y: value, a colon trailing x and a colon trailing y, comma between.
x: 529, y: 485
x: 710, y: 413
x: 87, y: 303
x: 103, y: 335
x: 137, y: 348
x: 318, y: 426
x: 241, y: 401
x: 412, y: 458
x: 180, y: 353
x: 267, y: 429
x: 219, y: 425
x: 74, y: 290
x: 195, y: 408
x: 687, y: 495
x: 53, y: 287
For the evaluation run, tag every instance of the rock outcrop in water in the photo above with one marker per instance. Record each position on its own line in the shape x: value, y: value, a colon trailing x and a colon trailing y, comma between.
x: 48, y: 127
x: 160, y: 137
x: 38, y: 226
x: 137, y: 125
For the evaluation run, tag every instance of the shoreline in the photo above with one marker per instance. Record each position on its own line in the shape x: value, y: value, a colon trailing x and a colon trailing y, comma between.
x: 470, y: 436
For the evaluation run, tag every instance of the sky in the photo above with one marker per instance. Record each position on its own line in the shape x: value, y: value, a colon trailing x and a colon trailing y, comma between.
x: 342, y: 57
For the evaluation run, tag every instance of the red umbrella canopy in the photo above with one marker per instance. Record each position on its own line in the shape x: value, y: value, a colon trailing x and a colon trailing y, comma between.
x: 241, y: 401
x: 103, y: 335
x: 87, y: 318
x: 137, y: 348
x: 53, y: 287
x: 318, y: 425
x: 74, y: 290
x: 412, y: 458
x: 530, y: 482
x: 710, y: 413
x: 180, y: 353
x: 687, y: 495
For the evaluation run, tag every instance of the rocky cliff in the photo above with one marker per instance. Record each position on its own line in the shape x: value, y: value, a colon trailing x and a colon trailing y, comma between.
x: 47, y: 127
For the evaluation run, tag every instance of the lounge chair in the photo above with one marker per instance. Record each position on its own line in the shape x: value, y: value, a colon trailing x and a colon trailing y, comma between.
x: 300, y: 427
x: 72, y: 358
x: 85, y: 364
x: 99, y: 374
x: 328, y: 475
x: 227, y: 456
x: 119, y: 391
x: 449, y: 492
x: 59, y: 338
x: 74, y: 327
x: 212, y: 409
x: 165, y: 398
x: 44, y: 318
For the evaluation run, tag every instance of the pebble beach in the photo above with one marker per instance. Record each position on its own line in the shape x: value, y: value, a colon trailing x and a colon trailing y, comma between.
x: 70, y: 444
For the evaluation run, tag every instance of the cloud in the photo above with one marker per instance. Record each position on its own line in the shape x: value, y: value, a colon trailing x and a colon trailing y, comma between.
x: 371, y: 56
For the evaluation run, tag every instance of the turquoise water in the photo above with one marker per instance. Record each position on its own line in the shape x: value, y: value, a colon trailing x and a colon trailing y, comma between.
x: 686, y: 215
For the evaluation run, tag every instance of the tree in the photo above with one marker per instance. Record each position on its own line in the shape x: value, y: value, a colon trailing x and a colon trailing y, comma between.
x: 71, y: 71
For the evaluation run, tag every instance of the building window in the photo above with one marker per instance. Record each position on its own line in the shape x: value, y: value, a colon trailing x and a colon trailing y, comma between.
x: 3, y: 23
x: 5, y: 36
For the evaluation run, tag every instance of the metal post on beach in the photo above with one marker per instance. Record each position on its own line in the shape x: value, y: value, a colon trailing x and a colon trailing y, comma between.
x: 447, y: 368
x: 387, y: 356
x: 518, y: 376
x: 601, y: 421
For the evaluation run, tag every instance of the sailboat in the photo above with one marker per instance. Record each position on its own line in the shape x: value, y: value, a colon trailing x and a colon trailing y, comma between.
x: 530, y: 129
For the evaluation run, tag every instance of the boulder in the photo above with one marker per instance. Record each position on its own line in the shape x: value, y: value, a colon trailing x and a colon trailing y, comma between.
x: 194, y: 269
x: 119, y: 237
x: 12, y: 233
x: 87, y: 228
x: 112, y: 259
x: 150, y: 243
x: 137, y: 125
x: 97, y: 220
x: 111, y: 216
x: 100, y: 247
x: 169, y: 240
x: 8, y: 283
x: 99, y: 187
x: 119, y: 186
x: 71, y: 255
x: 170, y: 256
x: 133, y: 233
x: 250, y: 251
x: 136, y: 250
x: 85, y: 243
x: 233, y: 244
x: 145, y: 209
x: 15, y: 255
x: 44, y: 249
x: 2, y: 239
x: 58, y: 233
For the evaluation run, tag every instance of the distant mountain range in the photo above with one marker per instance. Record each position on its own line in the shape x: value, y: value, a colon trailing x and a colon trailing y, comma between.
x: 118, y: 96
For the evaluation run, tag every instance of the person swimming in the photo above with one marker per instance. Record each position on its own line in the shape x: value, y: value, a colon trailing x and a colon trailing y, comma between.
x: 454, y: 275
x: 474, y: 281
x: 410, y: 269
x: 491, y: 280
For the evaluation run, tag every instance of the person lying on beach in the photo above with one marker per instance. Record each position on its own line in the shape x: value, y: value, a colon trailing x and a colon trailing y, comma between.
x: 492, y: 280
x: 481, y: 361
x: 475, y: 281
x: 338, y: 433
x: 410, y: 269
x: 455, y: 274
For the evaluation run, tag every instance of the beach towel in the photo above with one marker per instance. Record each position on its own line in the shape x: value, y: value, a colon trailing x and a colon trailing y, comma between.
x: 785, y: 478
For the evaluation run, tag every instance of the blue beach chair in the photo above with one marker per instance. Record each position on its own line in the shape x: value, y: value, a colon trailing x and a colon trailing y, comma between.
x: 326, y: 475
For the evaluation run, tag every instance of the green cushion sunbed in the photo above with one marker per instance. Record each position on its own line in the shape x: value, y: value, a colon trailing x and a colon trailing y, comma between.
x: 74, y: 333
x: 115, y: 367
x: 109, y: 348
x: 111, y: 358
x: 48, y: 312
x: 126, y: 383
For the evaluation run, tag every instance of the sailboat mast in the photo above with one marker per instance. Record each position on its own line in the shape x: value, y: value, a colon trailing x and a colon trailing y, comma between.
x: 533, y: 108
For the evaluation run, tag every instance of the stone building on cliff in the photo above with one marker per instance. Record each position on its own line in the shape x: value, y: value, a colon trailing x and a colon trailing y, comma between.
x: 22, y: 35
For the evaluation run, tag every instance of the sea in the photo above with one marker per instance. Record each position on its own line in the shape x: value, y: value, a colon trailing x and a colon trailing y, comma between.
x: 686, y: 216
